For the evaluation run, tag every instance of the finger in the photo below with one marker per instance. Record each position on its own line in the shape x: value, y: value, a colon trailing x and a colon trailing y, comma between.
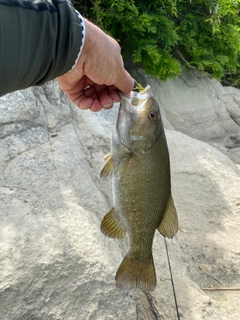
x: 125, y: 82
x: 100, y: 88
x: 96, y: 106
x: 114, y: 94
x: 81, y: 101
x: 69, y: 88
x: 99, y: 92
x: 90, y: 91
x: 85, y: 103
x: 106, y: 101
x: 102, y: 94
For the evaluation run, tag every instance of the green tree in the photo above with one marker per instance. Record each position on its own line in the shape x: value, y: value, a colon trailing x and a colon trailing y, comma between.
x: 209, y: 34
x: 163, y: 35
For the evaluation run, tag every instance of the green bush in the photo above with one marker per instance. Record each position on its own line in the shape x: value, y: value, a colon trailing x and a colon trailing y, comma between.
x: 163, y: 35
x: 209, y: 34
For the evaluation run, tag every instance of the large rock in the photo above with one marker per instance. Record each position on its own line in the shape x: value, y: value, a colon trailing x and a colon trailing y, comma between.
x: 56, y: 264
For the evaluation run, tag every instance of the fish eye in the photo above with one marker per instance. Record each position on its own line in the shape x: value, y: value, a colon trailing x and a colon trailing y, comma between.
x: 152, y: 115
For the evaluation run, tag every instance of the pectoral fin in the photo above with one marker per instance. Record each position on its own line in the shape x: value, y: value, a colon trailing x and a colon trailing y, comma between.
x: 107, y: 156
x: 111, y: 226
x: 169, y: 224
x: 123, y: 165
x: 107, y: 169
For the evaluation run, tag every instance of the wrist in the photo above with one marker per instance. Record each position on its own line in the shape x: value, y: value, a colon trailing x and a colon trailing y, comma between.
x: 83, y: 28
x: 92, y: 36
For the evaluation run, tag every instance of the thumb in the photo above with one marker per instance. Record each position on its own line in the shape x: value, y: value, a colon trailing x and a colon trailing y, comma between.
x: 125, y: 82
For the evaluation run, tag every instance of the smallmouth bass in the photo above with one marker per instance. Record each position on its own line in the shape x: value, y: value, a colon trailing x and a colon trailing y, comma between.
x: 140, y: 170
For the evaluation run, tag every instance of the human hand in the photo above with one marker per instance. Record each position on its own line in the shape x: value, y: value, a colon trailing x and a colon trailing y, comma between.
x: 99, y: 73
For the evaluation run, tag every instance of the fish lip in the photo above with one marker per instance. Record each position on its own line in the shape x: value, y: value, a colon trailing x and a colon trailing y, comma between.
x: 142, y: 96
x: 125, y: 98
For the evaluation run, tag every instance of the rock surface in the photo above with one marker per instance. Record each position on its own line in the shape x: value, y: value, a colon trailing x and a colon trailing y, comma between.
x: 54, y: 262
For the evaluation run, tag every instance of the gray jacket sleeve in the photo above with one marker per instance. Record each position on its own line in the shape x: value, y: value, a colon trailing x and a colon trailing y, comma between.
x: 39, y: 40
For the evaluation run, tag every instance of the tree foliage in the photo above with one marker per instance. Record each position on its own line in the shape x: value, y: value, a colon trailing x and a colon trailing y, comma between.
x: 162, y: 35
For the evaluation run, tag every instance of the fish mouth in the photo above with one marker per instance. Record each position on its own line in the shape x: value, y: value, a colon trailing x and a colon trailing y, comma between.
x: 136, y: 99
x: 129, y: 111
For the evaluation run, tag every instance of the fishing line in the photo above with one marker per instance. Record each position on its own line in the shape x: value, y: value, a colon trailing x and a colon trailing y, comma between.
x: 170, y: 271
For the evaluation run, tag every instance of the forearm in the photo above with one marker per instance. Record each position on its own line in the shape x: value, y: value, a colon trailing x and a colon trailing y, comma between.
x: 39, y: 40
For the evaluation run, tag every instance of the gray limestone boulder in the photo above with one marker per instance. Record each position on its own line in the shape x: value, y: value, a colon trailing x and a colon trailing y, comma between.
x: 54, y: 262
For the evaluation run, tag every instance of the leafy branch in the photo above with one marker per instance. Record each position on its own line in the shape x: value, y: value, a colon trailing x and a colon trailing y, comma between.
x: 163, y: 34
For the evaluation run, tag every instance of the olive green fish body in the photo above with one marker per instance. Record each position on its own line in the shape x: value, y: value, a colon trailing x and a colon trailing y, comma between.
x: 140, y: 170
x: 141, y: 195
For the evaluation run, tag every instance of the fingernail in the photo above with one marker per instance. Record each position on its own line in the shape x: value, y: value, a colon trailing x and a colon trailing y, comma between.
x: 107, y: 106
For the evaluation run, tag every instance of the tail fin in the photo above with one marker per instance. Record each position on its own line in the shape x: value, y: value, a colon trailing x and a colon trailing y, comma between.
x: 136, y: 274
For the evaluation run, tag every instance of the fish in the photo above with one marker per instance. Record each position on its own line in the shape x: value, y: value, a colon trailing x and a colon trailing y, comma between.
x: 139, y: 167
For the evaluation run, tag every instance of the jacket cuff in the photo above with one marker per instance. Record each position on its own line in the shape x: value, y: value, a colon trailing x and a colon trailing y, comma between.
x: 82, y: 24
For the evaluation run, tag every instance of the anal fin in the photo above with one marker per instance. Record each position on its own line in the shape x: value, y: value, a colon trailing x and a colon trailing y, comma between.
x: 169, y: 224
